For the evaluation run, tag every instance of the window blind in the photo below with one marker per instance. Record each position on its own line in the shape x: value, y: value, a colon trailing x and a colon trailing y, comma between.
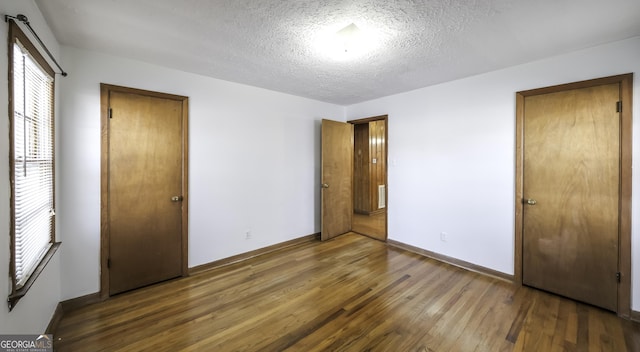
x: 33, y: 163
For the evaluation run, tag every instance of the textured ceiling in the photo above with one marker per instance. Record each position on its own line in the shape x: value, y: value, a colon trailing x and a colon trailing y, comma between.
x: 273, y: 43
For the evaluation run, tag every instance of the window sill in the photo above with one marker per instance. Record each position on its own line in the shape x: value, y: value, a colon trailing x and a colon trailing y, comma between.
x: 15, y: 296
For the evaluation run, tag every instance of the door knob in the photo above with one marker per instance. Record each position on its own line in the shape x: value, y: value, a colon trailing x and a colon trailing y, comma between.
x: 176, y: 198
x: 531, y: 201
x: 325, y: 185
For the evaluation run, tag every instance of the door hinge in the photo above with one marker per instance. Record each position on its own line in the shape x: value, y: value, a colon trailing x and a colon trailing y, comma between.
x: 110, y: 113
x: 618, y: 276
x: 109, y: 263
x: 619, y: 106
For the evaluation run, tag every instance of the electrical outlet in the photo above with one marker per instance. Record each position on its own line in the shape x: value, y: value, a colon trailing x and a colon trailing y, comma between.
x: 247, y: 235
x: 443, y: 236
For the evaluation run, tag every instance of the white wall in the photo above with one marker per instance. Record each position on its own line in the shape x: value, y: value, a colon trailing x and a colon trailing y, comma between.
x: 33, y: 312
x: 254, y: 162
x: 451, y: 155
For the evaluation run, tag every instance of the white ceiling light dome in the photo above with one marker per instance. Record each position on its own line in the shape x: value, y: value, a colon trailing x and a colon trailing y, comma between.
x: 348, y: 43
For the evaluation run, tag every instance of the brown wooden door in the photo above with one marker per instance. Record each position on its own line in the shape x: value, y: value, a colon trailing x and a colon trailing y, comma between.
x: 337, y: 178
x: 571, y: 193
x: 145, y: 172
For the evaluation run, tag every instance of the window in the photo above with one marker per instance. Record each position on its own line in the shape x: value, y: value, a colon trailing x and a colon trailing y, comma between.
x: 32, y: 163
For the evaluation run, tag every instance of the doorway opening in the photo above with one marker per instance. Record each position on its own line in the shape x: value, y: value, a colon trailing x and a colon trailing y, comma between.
x: 370, y: 177
x: 354, y: 194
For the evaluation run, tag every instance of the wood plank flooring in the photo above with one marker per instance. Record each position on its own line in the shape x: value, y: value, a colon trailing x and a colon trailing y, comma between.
x: 352, y: 293
x: 374, y: 225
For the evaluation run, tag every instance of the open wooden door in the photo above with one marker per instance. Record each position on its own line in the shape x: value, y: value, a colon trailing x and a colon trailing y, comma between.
x: 337, y: 178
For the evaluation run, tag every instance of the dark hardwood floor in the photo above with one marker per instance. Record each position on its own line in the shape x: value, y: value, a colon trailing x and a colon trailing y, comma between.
x: 352, y: 293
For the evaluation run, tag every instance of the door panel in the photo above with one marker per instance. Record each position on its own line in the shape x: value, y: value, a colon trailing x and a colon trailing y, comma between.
x: 571, y: 173
x: 145, y: 172
x: 337, y: 178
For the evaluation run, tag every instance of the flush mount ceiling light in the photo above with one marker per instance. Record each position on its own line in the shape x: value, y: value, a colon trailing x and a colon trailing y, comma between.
x: 348, y: 43
x: 348, y: 38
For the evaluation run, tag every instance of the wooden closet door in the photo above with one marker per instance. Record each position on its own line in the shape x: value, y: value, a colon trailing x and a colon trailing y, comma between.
x: 145, y: 190
x: 571, y: 193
